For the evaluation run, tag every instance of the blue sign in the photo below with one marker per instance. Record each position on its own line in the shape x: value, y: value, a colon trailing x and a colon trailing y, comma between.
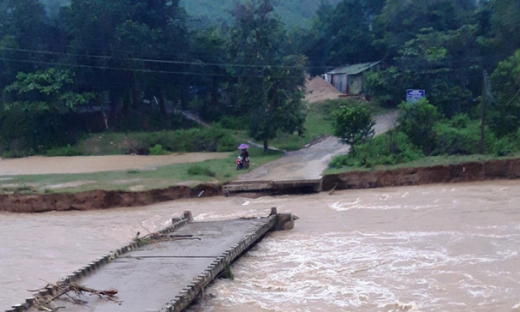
x: 412, y: 96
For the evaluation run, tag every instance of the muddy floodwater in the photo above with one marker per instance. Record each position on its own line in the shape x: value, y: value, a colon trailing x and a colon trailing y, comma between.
x: 427, y: 248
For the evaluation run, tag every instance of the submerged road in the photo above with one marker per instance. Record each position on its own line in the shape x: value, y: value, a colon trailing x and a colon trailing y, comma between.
x: 310, y: 162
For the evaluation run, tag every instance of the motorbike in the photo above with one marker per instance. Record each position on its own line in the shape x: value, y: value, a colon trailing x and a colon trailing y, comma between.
x: 242, y: 163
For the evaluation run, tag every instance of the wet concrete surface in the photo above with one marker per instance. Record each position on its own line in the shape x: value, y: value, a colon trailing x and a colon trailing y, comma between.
x: 310, y: 162
x: 148, y: 279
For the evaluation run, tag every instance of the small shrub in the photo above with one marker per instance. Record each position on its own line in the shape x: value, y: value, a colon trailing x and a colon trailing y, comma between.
x: 353, y: 124
x: 460, y: 121
x: 226, y: 144
x: 505, y: 146
x: 200, y: 170
x: 18, y: 153
x: 417, y: 121
x: 457, y: 141
x: 64, y: 151
x: 157, y: 149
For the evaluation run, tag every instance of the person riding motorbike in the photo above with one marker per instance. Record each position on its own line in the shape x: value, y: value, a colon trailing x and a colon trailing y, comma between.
x: 245, y: 154
x: 243, y: 160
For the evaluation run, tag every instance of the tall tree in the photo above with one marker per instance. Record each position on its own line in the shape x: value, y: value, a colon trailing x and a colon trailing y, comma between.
x: 268, y: 83
x: 23, y: 29
x: 130, y: 49
x: 505, y: 116
x: 342, y: 34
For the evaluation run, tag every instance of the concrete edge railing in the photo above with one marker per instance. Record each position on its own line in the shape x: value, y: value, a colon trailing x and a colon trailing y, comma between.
x: 197, y: 286
x: 86, y: 270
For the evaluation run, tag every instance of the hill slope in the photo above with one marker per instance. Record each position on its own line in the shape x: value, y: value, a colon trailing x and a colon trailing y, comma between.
x: 294, y: 13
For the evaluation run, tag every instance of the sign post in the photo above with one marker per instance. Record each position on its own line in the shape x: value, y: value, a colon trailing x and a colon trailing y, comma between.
x: 414, y: 95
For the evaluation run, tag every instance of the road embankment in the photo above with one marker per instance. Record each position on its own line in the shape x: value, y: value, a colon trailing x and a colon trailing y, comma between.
x: 94, y: 200
x: 453, y: 173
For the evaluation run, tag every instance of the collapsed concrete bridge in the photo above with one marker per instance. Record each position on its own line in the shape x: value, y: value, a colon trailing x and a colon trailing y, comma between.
x: 163, y: 271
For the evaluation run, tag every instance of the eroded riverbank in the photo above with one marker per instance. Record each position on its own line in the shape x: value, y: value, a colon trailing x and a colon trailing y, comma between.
x: 100, y: 199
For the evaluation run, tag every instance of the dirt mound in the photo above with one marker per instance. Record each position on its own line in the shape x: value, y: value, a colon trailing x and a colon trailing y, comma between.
x: 317, y: 90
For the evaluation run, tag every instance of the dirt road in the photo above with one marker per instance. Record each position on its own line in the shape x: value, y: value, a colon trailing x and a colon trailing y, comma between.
x: 309, y: 163
x: 88, y: 164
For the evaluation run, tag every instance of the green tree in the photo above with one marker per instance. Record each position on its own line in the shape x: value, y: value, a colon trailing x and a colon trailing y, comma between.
x: 417, y: 121
x: 505, y: 116
x: 23, y: 28
x: 353, y: 124
x: 401, y: 20
x: 48, y: 90
x: 505, y: 24
x: 268, y: 83
x: 39, y: 112
x: 130, y: 49
x: 442, y: 63
x: 341, y: 34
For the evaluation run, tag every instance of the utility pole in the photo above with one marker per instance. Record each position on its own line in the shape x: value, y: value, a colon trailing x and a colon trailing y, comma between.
x: 483, y: 112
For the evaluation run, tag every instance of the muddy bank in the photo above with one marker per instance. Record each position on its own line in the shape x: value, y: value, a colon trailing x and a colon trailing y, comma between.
x: 463, y: 172
x: 94, y: 200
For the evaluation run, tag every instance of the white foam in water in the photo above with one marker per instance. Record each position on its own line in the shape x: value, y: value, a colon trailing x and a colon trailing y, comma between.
x: 346, y: 206
x: 346, y: 271
x: 240, y: 214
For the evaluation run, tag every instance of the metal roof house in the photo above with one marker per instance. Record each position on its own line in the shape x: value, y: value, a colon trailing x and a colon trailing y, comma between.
x: 349, y: 79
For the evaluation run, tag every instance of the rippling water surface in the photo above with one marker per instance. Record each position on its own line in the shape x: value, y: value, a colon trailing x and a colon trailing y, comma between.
x: 428, y: 248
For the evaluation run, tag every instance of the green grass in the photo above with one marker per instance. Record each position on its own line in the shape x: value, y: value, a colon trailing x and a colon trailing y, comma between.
x: 222, y: 170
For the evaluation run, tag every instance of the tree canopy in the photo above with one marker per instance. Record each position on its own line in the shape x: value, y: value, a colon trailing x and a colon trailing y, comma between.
x: 134, y: 63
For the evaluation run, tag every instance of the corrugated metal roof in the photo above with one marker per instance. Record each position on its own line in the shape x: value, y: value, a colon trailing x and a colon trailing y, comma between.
x: 353, y: 69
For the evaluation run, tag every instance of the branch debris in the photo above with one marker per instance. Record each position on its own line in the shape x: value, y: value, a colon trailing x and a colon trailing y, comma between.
x: 70, y: 292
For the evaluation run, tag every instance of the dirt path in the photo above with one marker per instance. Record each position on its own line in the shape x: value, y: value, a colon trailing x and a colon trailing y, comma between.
x: 89, y: 164
x: 309, y: 163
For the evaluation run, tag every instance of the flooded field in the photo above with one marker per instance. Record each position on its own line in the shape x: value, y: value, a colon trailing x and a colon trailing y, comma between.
x: 426, y: 248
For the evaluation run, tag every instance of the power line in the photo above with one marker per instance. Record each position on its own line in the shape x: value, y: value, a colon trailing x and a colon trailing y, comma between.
x: 141, y: 70
x: 146, y: 60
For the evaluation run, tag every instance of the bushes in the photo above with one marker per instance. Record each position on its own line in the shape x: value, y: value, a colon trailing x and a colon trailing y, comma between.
x: 192, y: 140
x: 157, y: 149
x: 24, y: 134
x: 213, y: 139
x: 417, y: 121
x: 388, y: 149
x: 458, y: 136
x: 201, y: 170
x: 64, y: 151
x: 353, y: 124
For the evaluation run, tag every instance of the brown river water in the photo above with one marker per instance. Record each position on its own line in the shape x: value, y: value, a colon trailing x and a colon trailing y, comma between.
x: 427, y: 248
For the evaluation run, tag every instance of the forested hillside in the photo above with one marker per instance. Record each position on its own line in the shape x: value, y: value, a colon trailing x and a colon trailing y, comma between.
x: 294, y: 13
x: 132, y: 65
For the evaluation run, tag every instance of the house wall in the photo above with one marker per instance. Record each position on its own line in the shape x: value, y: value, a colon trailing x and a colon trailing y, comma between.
x: 355, y: 84
x: 340, y: 82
